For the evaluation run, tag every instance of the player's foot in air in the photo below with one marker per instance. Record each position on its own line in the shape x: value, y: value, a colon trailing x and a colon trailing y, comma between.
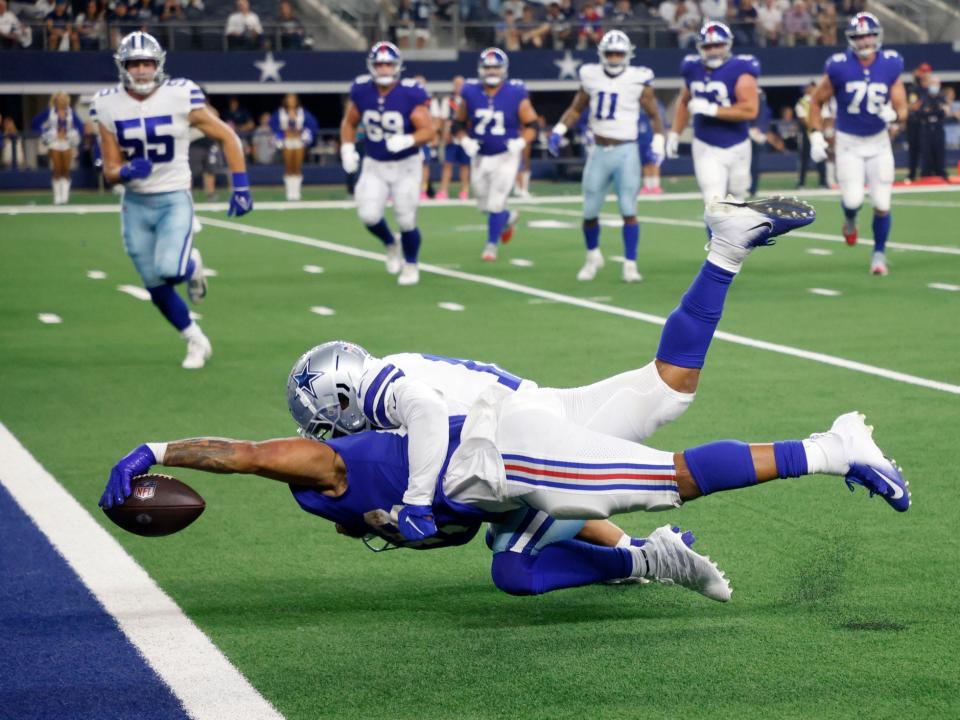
x: 878, y: 264
x: 507, y: 233
x: 630, y: 272
x: 736, y: 228
x: 849, y: 231
x: 394, y: 259
x: 593, y: 263
x: 409, y: 275
x: 489, y: 253
x: 688, y: 539
x: 197, y: 282
x: 199, y: 350
x: 672, y: 562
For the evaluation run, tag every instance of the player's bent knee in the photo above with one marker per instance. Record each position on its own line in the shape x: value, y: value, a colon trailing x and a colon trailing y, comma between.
x: 511, y: 573
x: 407, y: 222
x: 369, y: 215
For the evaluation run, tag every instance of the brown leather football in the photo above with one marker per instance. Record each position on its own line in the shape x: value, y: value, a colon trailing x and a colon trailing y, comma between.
x: 158, y: 505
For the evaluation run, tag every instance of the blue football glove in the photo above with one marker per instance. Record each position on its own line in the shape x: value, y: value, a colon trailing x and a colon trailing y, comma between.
x: 241, y: 202
x: 134, y: 463
x: 553, y: 143
x: 416, y: 522
x: 136, y: 169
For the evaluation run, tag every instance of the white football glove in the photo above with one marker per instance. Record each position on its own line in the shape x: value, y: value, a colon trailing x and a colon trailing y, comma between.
x: 471, y: 146
x: 818, y: 146
x: 888, y: 114
x: 399, y: 143
x: 702, y: 106
x: 658, y: 149
x: 516, y: 145
x: 349, y: 158
x: 673, y: 145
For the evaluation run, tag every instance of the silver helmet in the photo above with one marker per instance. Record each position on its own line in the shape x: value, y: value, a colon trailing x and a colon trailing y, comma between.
x: 140, y: 46
x: 322, y: 389
x: 615, y: 42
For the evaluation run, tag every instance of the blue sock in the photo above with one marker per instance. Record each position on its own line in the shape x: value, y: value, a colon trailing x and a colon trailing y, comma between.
x: 563, y: 564
x: 881, y: 231
x: 689, y: 329
x: 496, y: 222
x: 410, y: 239
x: 191, y: 266
x: 382, y: 231
x: 631, y: 239
x: 721, y: 465
x: 591, y: 235
x: 848, y: 213
x: 172, y: 306
x: 791, y: 458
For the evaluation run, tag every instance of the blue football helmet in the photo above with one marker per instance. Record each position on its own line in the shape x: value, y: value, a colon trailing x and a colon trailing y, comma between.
x: 140, y: 46
x: 714, y: 35
x: 612, y: 43
x: 493, y: 66
x: 385, y: 53
x: 322, y: 390
x: 864, y: 25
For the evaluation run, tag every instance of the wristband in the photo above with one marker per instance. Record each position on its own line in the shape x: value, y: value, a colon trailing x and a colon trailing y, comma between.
x: 159, y: 450
x: 560, y: 129
x: 240, y: 181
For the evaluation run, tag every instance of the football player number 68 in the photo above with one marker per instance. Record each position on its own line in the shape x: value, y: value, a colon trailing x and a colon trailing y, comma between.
x: 382, y: 125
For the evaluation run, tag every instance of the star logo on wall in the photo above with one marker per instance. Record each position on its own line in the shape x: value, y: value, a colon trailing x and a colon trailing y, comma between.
x: 269, y: 68
x: 568, y: 65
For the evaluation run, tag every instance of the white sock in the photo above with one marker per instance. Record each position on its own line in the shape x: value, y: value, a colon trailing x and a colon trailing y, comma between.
x: 624, y: 541
x: 640, y: 565
x: 191, y: 332
x: 721, y: 261
x: 594, y: 255
x: 55, y: 184
x: 65, y: 190
x: 825, y: 454
x: 654, y: 181
x: 297, y: 183
x: 288, y: 186
x: 648, y: 182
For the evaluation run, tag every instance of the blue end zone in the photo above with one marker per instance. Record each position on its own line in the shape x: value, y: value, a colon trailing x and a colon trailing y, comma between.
x: 61, y: 655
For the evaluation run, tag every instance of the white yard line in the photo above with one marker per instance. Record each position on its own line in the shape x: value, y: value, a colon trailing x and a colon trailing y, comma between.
x: 591, y: 305
x: 201, y: 677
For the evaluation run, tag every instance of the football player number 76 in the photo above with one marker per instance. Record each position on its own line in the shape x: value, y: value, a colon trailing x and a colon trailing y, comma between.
x: 158, y: 148
x: 876, y: 96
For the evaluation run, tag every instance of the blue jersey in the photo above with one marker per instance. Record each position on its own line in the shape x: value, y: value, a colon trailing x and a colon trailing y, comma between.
x: 383, y: 116
x: 494, y: 119
x: 862, y: 90
x: 377, y: 473
x: 718, y: 85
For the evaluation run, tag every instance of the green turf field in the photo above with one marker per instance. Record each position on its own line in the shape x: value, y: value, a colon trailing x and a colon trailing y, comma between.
x: 841, y: 607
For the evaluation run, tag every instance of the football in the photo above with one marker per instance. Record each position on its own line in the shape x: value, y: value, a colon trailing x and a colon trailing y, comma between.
x: 158, y: 505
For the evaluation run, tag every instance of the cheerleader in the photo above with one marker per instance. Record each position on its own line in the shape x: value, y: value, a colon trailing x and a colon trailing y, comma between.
x: 294, y: 129
x: 60, y: 131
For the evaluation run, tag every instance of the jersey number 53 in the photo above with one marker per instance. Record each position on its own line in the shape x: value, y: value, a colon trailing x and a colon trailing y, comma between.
x: 382, y: 125
x: 715, y: 88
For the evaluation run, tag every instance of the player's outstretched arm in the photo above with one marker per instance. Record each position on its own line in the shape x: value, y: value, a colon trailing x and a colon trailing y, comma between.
x: 241, y: 202
x: 580, y: 101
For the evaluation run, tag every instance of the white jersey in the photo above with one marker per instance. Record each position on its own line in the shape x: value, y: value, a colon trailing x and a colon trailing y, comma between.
x: 419, y: 393
x: 614, y: 99
x: 156, y: 128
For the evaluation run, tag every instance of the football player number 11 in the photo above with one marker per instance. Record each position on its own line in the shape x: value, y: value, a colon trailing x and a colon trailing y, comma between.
x: 158, y: 148
x: 606, y: 106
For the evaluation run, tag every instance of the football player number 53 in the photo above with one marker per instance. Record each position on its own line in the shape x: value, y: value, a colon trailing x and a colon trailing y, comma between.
x: 382, y: 125
x: 876, y: 96
x: 158, y: 147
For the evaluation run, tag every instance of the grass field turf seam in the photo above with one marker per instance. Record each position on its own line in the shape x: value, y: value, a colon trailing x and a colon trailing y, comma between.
x: 836, y: 598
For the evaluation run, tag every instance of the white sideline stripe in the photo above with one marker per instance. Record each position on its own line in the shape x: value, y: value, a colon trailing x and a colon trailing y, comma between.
x: 944, y: 286
x: 207, y: 684
x: 592, y: 305
x: 134, y: 291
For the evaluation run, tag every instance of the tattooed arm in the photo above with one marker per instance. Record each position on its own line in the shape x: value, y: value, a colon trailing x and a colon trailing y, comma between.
x: 297, y: 461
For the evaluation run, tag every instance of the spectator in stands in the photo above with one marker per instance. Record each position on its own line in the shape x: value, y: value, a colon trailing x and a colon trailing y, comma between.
x: 798, y: 25
x: 787, y: 128
x: 507, y: 35
x: 761, y: 137
x: 293, y: 36
x: 667, y: 11
x: 745, y: 24
x: 13, y: 33
x: 590, y: 24
x: 60, y: 34
x: 802, y: 112
x: 715, y: 10
x: 142, y: 14
x: 172, y: 12
x: 915, y: 98
x: 561, y: 31
x: 121, y: 21
x: 413, y: 21
x: 243, y: 28
x: 238, y: 117
x: 263, y: 147
x: 532, y: 32
x: 622, y: 15
x: 827, y: 22
x: 11, y: 145
x: 769, y: 23
x: 932, y: 135
x: 91, y: 27
x: 514, y: 6
x: 687, y: 24
x: 952, y: 122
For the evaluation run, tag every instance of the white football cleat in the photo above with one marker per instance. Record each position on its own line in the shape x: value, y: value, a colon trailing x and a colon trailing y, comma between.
x: 394, y: 259
x: 199, y: 350
x: 878, y: 264
x: 197, y: 282
x: 866, y: 464
x: 489, y: 253
x: 630, y: 272
x: 671, y: 562
x: 736, y: 228
x: 593, y: 263
x: 409, y: 275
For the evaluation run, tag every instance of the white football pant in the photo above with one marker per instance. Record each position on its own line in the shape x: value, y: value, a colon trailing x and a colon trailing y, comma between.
x: 492, y: 178
x: 396, y: 179
x: 721, y: 171
x: 867, y: 160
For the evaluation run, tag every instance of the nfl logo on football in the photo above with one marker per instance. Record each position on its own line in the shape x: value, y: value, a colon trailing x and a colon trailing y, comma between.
x: 145, y: 490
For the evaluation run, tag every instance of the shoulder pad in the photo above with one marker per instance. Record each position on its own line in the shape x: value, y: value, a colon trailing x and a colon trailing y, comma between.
x: 837, y: 57
x: 690, y: 58
x: 472, y: 81
x: 409, y: 82
x: 107, y: 91
x: 361, y: 79
x: 643, y: 73
x: 516, y: 82
x: 891, y: 54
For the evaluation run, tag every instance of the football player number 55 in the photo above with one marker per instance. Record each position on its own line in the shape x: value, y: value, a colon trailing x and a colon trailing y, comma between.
x: 158, y: 148
x: 382, y: 125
